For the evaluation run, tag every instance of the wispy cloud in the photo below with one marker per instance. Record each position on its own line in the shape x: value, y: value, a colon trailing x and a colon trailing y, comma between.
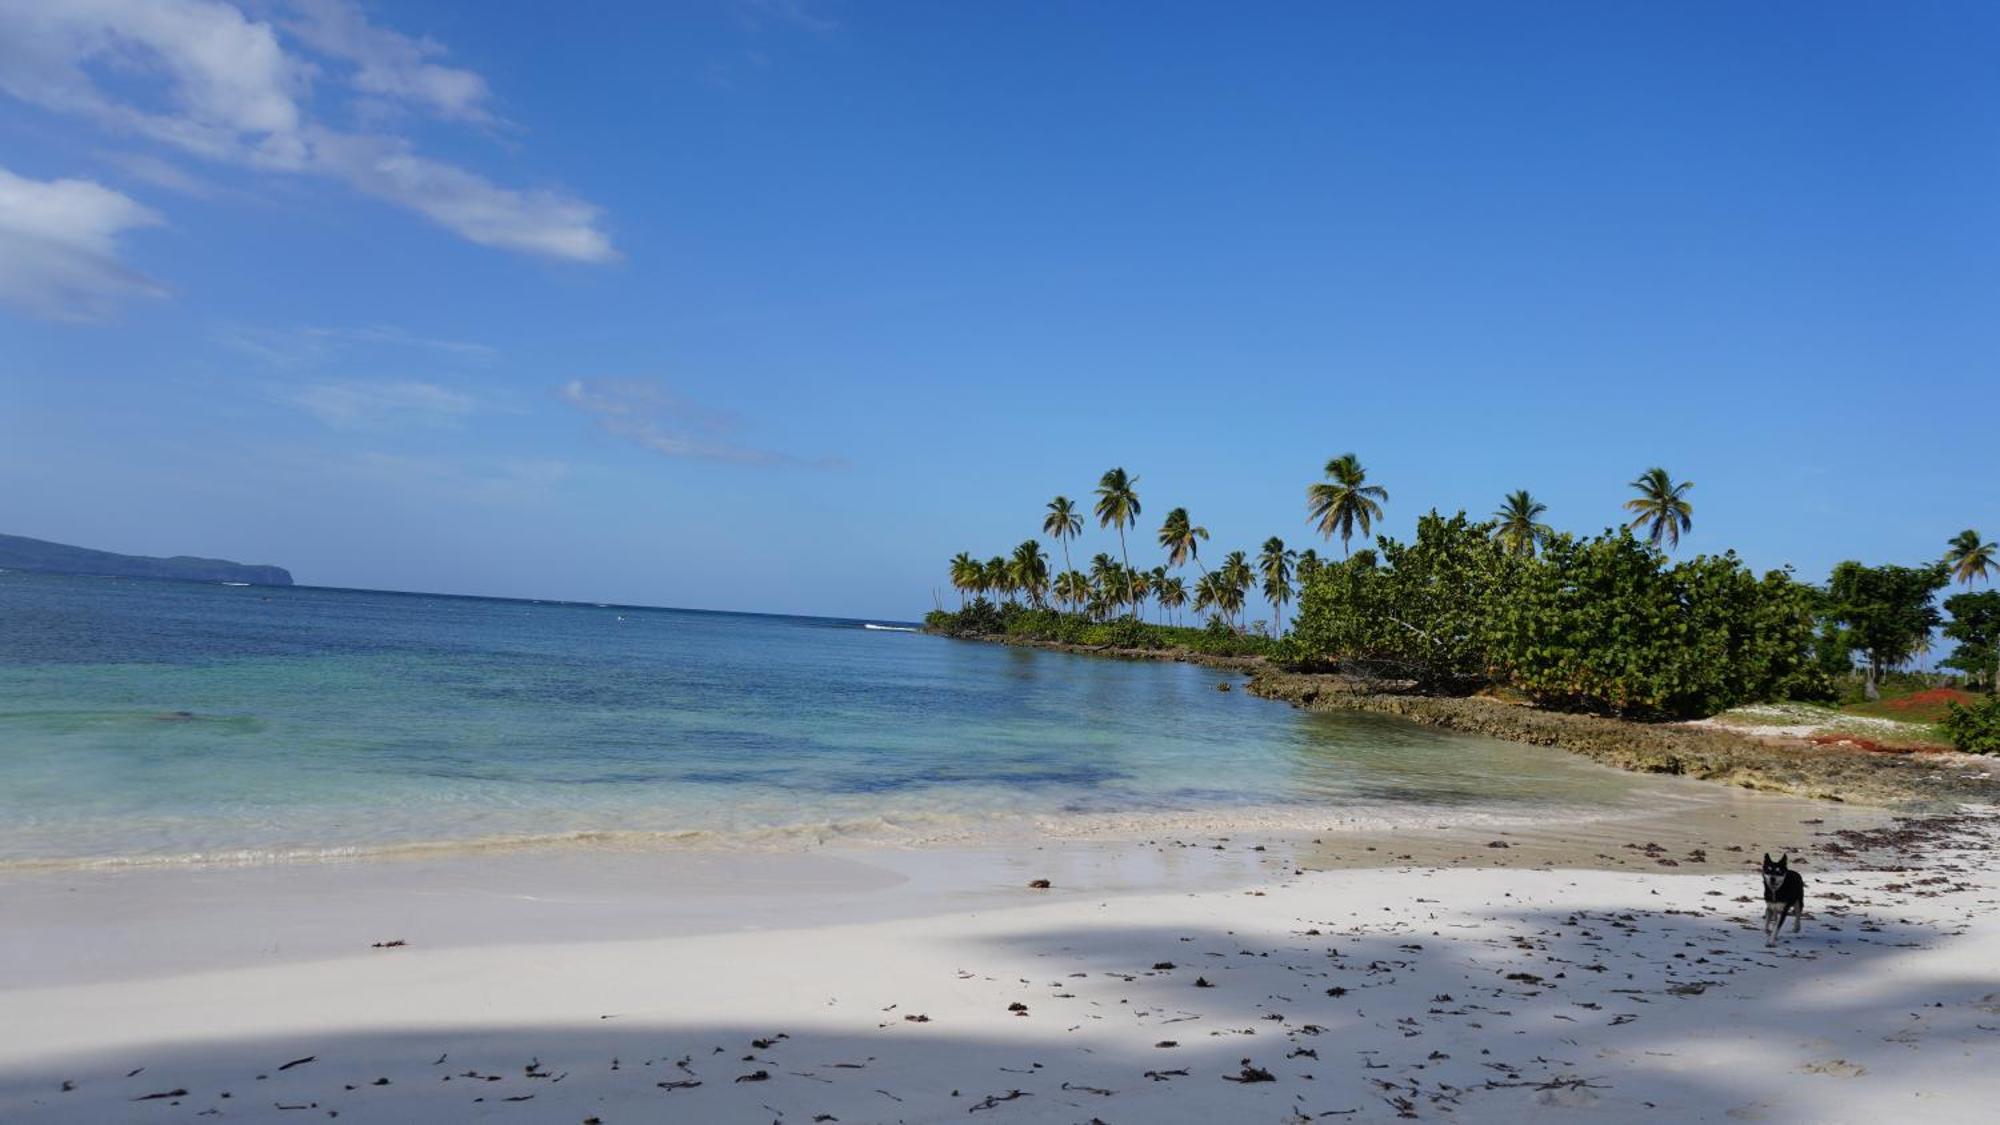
x: 150, y: 169
x: 645, y: 414
x: 59, y: 247
x: 381, y: 404
x: 756, y: 15
x: 389, y: 64
x: 303, y: 348
x: 390, y: 335
x: 204, y: 77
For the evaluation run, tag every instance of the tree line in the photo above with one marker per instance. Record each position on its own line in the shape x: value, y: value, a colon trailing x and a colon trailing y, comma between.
x: 1605, y: 623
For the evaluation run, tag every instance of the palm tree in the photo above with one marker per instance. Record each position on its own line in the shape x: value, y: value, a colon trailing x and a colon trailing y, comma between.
x: 1063, y: 523
x: 1274, y: 562
x: 1971, y: 559
x: 1155, y: 578
x: 1029, y: 569
x: 1309, y: 564
x: 964, y: 575
x: 1236, y: 580
x: 1136, y: 585
x: 1212, y: 592
x: 1118, y: 505
x: 1103, y: 578
x: 1000, y: 577
x: 1170, y: 591
x: 1073, y: 588
x: 1182, y: 539
x: 1661, y: 506
x: 1518, y: 523
x: 1345, y: 499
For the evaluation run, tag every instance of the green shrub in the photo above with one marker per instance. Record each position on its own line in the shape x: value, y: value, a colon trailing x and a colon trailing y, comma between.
x: 1604, y: 625
x: 1975, y: 729
x: 1425, y: 613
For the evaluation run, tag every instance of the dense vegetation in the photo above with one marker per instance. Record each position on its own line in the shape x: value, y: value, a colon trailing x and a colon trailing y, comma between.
x: 1977, y: 728
x: 1606, y: 624
x: 983, y: 618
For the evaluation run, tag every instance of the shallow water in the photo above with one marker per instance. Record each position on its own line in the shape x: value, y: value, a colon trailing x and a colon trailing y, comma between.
x: 147, y: 721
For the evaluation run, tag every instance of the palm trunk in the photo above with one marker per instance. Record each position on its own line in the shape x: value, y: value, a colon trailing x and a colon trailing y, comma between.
x: 1127, y: 560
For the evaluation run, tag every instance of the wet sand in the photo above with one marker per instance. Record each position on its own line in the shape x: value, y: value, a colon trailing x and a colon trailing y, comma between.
x: 1721, y: 830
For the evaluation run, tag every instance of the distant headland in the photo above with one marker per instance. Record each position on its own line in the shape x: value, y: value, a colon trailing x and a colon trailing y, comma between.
x: 21, y: 553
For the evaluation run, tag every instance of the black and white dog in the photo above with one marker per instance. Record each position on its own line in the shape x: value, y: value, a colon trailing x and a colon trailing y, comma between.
x: 1784, y: 893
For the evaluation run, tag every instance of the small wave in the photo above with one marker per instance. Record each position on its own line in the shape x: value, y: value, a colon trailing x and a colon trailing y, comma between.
x: 236, y: 583
x: 890, y: 628
x: 898, y: 831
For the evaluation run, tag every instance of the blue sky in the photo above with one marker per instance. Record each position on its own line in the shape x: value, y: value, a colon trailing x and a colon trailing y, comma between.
x: 776, y: 305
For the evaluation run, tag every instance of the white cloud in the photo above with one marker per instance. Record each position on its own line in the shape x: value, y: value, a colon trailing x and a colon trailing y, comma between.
x: 380, y: 404
x: 59, y: 247
x: 203, y: 77
x: 231, y: 89
x: 389, y: 64
x: 540, y: 222
x: 646, y: 415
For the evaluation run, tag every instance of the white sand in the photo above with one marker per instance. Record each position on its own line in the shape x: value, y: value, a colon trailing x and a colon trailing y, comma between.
x: 1650, y: 996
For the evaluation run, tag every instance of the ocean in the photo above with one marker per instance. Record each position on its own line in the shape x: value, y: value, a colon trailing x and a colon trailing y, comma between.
x: 151, y: 722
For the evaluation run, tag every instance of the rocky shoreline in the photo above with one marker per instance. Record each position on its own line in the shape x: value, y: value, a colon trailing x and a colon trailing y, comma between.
x: 1793, y: 766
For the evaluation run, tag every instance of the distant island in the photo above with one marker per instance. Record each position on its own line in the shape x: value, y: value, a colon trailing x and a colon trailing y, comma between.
x: 21, y: 553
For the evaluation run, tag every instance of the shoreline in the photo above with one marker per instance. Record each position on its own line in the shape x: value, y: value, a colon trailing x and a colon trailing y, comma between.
x: 73, y: 925
x: 1498, y: 984
x: 1796, y: 766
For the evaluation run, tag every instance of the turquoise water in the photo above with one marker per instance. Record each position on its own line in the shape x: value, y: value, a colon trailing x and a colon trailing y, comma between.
x: 163, y: 721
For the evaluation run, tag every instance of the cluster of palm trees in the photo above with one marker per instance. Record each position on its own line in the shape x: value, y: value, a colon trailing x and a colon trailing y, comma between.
x: 1342, y: 504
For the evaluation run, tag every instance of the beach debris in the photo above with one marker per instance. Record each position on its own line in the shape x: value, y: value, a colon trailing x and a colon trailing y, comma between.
x: 1039, y: 884
x: 755, y: 1076
x: 397, y: 944
x: 1018, y: 1008
x: 916, y: 1017
x: 685, y: 1084
x: 995, y: 1099
x: 1163, y: 966
x: 134, y: 1072
x: 173, y: 1093
x: 299, y: 1062
x: 1250, y: 1074
x: 1167, y: 1043
x: 1202, y: 982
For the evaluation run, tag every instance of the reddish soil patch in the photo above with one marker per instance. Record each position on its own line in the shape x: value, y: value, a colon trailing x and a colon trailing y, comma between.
x: 1850, y: 742
x: 1933, y: 699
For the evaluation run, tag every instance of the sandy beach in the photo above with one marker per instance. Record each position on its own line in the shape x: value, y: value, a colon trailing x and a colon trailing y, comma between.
x: 1617, y: 976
